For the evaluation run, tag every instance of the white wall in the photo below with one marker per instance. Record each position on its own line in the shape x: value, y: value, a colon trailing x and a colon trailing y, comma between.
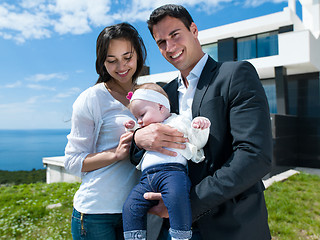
x: 311, y: 16
x: 56, y: 171
x: 298, y: 51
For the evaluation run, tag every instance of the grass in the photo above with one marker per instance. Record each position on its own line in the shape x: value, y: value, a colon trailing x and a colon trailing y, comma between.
x: 293, y: 206
x: 23, y: 212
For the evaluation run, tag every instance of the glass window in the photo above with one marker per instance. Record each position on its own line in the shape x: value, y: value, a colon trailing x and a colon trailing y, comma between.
x: 267, y: 44
x: 270, y: 89
x: 246, y: 48
x: 211, y: 50
x: 303, y: 94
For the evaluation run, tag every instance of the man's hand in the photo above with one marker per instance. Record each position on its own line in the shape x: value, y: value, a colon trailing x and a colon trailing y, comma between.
x: 157, y: 137
x: 160, y: 209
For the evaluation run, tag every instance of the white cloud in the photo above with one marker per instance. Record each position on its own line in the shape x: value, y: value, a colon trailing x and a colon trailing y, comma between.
x: 73, y: 16
x: 256, y: 3
x: 29, y: 114
x: 32, y: 3
x: 37, y: 78
x: 40, y: 87
x: 66, y: 94
x: 73, y: 23
x: 47, y: 77
x: 26, y: 106
x: 20, y: 23
x: 12, y: 85
x: 37, y: 19
x: 33, y: 100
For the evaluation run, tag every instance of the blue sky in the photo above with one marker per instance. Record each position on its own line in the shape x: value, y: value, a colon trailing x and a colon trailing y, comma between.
x: 47, y: 49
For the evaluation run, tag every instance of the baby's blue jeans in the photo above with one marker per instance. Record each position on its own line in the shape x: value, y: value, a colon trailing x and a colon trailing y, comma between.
x: 172, y: 181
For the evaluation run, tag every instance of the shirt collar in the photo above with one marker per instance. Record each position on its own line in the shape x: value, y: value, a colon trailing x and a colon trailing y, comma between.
x: 195, y: 72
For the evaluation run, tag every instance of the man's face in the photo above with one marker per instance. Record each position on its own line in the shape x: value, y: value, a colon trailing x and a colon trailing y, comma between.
x: 177, y: 44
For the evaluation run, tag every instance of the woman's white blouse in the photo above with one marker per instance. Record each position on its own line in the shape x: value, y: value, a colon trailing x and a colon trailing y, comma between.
x: 97, y: 124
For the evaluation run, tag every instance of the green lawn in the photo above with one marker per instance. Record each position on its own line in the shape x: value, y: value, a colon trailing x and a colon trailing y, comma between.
x: 294, y: 208
x: 23, y: 213
x: 293, y: 205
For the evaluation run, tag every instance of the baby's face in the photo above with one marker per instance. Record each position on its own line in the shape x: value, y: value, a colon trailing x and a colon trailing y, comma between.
x: 147, y: 112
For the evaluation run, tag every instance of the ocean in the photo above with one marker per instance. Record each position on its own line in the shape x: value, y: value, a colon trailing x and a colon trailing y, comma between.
x: 24, y: 149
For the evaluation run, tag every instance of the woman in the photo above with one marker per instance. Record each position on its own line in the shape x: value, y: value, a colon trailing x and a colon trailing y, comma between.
x: 98, y: 146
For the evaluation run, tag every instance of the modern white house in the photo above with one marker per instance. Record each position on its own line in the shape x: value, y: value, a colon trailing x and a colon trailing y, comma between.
x: 285, y: 50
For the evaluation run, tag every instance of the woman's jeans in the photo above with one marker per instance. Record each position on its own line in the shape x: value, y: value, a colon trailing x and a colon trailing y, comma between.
x: 172, y: 181
x: 96, y: 226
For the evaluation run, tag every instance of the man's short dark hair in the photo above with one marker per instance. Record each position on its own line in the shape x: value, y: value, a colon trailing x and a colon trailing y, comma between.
x: 171, y: 10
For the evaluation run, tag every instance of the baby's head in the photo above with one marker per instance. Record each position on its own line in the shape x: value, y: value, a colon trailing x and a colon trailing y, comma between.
x: 149, y: 104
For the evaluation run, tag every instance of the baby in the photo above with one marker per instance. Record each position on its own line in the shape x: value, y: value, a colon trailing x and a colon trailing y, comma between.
x: 161, y: 173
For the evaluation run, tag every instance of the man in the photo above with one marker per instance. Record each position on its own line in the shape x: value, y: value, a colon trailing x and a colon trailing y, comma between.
x: 227, y: 192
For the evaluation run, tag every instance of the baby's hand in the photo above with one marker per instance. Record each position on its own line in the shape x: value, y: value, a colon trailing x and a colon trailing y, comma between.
x: 201, y: 122
x: 129, y: 124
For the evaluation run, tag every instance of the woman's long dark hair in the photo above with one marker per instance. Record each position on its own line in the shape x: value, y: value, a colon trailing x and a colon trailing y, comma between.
x: 118, y: 31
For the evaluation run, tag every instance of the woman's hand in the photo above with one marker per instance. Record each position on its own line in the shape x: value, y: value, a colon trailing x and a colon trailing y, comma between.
x: 157, y: 137
x: 98, y: 160
x: 122, y: 151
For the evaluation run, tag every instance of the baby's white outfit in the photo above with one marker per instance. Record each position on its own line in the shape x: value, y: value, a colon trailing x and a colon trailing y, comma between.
x: 193, y: 151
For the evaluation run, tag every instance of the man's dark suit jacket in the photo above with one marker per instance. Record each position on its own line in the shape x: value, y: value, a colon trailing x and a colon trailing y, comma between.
x: 227, y: 192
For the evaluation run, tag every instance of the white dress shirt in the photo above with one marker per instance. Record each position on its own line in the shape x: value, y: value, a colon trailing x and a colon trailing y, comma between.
x: 186, y: 94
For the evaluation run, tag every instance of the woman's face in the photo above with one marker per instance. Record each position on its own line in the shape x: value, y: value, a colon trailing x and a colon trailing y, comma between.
x: 121, y: 60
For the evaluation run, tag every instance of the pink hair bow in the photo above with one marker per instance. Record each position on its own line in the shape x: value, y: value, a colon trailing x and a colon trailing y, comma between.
x: 129, y: 96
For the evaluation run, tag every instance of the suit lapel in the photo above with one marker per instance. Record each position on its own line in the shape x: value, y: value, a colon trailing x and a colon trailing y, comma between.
x: 172, y: 91
x: 205, y: 79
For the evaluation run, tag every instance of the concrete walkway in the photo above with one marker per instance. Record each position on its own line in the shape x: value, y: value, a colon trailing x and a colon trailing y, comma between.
x: 314, y: 171
x: 288, y: 173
